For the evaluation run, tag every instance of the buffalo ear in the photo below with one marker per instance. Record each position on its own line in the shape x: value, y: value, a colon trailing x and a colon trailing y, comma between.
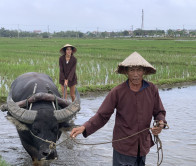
x: 19, y: 126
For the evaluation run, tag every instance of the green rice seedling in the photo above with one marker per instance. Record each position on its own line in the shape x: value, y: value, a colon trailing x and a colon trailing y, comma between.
x: 3, y: 162
x: 97, y: 60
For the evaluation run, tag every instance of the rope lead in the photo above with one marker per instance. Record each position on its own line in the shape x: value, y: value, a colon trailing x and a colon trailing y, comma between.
x: 156, y: 140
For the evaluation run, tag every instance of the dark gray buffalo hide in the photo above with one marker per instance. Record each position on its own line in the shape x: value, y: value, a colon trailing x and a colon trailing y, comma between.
x: 41, y: 120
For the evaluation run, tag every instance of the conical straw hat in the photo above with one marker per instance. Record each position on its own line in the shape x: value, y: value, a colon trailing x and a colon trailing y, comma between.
x: 135, y: 59
x: 67, y: 45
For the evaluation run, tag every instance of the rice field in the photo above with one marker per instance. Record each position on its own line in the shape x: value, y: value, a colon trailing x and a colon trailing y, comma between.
x: 97, y: 60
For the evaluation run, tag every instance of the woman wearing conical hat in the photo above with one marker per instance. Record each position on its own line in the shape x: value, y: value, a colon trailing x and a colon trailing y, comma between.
x: 67, y: 74
x: 136, y: 101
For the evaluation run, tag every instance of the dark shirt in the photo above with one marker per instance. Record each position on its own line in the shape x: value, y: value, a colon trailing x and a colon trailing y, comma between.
x: 67, y: 70
x: 134, y: 112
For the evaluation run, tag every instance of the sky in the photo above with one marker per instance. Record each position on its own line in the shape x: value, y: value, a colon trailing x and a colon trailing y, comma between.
x: 96, y: 15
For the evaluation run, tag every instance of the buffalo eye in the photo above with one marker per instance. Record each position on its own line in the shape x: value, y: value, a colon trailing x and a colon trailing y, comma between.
x: 54, y: 129
x: 36, y: 131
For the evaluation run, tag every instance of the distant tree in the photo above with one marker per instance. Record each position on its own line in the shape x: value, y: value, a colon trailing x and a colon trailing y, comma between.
x: 138, y: 32
x: 113, y: 34
x: 171, y: 33
x: 125, y: 33
x: 45, y: 35
x: 8, y: 33
x: 104, y: 34
x: 80, y: 34
x: 192, y: 33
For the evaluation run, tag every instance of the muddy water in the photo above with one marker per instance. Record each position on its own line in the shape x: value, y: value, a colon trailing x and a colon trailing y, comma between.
x: 179, y: 142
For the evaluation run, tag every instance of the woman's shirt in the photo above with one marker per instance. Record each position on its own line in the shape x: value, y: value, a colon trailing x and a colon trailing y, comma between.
x: 67, y: 70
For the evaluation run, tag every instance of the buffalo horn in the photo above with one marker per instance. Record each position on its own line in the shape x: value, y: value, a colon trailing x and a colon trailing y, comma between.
x: 44, y: 97
x: 20, y: 114
x: 68, y: 112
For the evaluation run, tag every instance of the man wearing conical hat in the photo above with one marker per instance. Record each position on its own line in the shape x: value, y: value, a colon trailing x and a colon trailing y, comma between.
x: 136, y: 101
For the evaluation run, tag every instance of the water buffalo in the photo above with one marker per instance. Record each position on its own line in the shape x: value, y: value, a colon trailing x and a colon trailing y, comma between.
x: 40, y: 123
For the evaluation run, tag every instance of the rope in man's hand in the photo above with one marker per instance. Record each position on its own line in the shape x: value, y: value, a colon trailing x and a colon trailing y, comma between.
x: 52, y: 145
x: 157, y: 126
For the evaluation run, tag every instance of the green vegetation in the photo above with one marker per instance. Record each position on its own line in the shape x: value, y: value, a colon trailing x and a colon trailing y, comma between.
x: 174, y: 60
x: 97, y: 34
x: 2, y: 162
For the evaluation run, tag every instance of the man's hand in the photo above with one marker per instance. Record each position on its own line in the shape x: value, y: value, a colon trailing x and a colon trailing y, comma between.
x: 76, y: 131
x: 157, y: 129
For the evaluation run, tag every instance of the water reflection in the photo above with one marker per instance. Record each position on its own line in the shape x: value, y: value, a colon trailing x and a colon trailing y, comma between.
x: 179, y: 142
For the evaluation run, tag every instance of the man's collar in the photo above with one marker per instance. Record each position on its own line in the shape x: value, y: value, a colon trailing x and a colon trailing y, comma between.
x: 145, y: 84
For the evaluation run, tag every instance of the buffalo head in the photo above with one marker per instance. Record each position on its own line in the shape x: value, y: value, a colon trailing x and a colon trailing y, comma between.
x: 40, y: 127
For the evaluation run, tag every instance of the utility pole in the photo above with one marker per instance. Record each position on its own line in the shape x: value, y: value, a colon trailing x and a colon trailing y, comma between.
x: 97, y: 31
x: 132, y: 30
x: 76, y: 33
x: 18, y: 31
x: 183, y: 31
x: 48, y: 29
x: 156, y: 32
x: 142, y: 26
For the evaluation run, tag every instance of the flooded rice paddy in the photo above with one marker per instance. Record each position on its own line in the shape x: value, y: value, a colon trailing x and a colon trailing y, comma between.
x: 179, y: 142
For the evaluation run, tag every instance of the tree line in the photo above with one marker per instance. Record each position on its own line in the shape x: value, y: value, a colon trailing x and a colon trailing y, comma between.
x: 77, y: 34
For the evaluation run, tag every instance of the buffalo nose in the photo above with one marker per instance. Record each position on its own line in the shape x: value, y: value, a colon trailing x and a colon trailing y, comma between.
x: 48, y: 154
x: 45, y: 154
x: 51, y: 155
